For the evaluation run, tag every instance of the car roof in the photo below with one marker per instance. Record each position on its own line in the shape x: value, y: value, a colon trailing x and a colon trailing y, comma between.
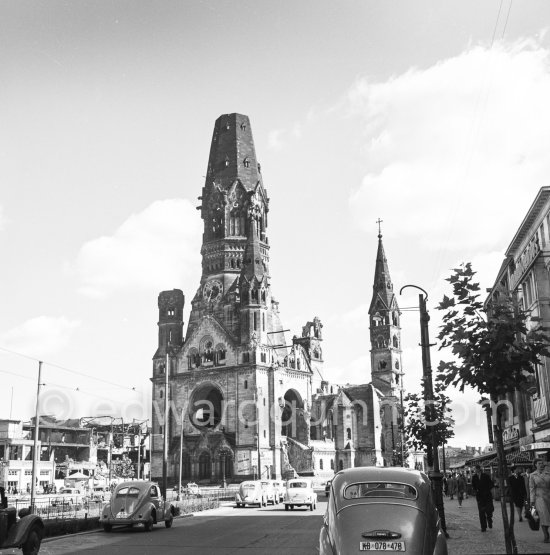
x: 419, y: 480
x: 137, y: 484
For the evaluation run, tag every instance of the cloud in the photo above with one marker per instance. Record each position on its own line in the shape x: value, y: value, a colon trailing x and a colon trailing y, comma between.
x: 458, y: 147
x: 158, y: 248
x: 43, y: 335
x: 275, y: 139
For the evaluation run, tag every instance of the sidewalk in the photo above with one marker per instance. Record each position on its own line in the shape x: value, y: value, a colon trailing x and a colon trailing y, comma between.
x: 466, y: 537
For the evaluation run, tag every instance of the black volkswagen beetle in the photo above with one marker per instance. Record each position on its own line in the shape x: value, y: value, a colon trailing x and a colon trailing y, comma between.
x: 381, y: 509
x: 25, y: 532
x: 137, y: 502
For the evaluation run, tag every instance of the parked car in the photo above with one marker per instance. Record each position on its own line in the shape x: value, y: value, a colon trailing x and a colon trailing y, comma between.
x: 100, y: 493
x: 280, y: 489
x: 251, y: 492
x: 137, y: 503
x: 192, y: 489
x: 270, y: 492
x: 381, y: 509
x: 327, y: 488
x: 299, y: 493
x: 25, y: 532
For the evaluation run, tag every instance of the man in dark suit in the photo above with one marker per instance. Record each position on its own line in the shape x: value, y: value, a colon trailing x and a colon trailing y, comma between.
x: 483, y: 486
x: 517, y: 490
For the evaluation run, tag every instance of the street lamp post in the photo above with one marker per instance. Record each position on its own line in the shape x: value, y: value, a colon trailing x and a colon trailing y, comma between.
x: 435, y: 474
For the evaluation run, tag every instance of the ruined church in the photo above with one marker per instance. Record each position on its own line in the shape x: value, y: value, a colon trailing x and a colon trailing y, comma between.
x: 245, y: 398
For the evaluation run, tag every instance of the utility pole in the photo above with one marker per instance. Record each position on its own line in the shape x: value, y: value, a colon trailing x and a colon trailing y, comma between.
x: 181, y: 455
x: 139, y: 452
x: 36, y: 454
x: 165, y: 430
x: 436, y: 476
x: 402, y: 426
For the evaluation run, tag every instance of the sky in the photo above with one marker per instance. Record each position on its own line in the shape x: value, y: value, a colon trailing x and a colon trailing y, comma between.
x: 432, y: 116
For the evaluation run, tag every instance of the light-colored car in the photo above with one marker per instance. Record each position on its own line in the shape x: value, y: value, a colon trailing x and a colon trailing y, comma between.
x: 192, y: 489
x: 100, y: 493
x: 381, y: 509
x: 271, y: 495
x: 280, y: 489
x: 299, y: 493
x: 251, y: 492
x: 136, y: 503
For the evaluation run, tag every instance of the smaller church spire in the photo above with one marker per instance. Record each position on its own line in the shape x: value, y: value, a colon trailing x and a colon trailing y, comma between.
x: 253, y: 264
x: 382, y: 285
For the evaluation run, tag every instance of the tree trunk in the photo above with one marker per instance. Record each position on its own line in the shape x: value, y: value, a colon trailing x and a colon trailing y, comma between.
x: 509, y: 537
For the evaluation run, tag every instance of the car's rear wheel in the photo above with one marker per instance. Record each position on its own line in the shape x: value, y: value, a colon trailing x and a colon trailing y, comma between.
x: 292, y: 507
x: 311, y: 506
x: 32, y: 543
x: 107, y: 527
x: 286, y: 507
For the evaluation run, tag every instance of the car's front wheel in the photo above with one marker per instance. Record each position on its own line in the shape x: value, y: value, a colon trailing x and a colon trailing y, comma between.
x: 32, y: 543
x: 168, y: 523
x: 286, y: 507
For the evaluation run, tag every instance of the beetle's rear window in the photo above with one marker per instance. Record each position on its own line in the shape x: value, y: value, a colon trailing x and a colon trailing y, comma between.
x: 123, y: 492
x: 380, y: 489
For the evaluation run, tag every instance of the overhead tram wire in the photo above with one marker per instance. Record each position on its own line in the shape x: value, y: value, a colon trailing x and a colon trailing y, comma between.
x: 475, y: 128
x: 53, y: 384
x: 53, y: 365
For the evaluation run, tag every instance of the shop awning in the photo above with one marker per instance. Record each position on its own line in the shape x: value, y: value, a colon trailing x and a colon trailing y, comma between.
x: 537, y: 446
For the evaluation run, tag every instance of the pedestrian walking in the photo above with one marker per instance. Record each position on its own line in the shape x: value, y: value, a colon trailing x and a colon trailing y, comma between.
x: 517, y: 490
x: 445, y: 486
x: 539, y: 494
x: 452, y: 486
x: 482, y: 485
x: 460, y: 488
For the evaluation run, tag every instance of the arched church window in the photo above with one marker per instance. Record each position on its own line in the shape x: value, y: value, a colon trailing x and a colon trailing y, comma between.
x: 298, y: 363
x: 263, y: 295
x: 382, y: 364
x: 263, y: 321
x: 348, y: 433
x: 332, y: 464
x: 232, y: 263
x: 246, y: 384
x: 320, y: 464
x: 340, y: 465
x: 246, y: 162
x: 380, y: 342
x: 243, y: 126
x: 394, y: 319
x: 161, y: 393
x: 395, y: 341
x: 397, y: 365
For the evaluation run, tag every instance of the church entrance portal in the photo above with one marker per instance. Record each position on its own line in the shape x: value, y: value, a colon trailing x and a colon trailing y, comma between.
x: 206, y: 407
x: 293, y: 418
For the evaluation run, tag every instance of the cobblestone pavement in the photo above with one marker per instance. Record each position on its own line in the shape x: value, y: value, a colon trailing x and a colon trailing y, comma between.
x: 466, y: 537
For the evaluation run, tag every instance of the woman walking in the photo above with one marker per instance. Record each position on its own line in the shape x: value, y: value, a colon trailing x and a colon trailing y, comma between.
x: 539, y: 494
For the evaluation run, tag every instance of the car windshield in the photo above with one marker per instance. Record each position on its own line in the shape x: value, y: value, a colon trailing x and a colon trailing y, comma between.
x: 380, y: 489
x: 297, y: 485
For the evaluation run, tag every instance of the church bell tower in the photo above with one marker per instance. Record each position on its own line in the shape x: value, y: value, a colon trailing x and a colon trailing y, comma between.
x: 385, y: 328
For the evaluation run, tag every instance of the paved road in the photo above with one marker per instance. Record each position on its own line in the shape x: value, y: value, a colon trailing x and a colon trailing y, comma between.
x: 270, y: 530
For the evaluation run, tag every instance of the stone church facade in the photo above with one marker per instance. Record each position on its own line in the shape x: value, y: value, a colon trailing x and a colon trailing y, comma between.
x: 242, y: 396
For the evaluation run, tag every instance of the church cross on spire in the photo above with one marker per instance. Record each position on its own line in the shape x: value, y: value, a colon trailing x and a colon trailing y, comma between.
x: 379, y: 221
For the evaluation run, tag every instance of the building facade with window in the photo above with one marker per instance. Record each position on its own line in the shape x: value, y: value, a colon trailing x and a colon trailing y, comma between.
x: 243, y: 397
x: 525, y: 273
x: 16, y: 456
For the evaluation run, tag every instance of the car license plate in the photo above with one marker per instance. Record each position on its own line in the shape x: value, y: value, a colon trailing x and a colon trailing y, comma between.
x: 121, y: 515
x: 381, y: 546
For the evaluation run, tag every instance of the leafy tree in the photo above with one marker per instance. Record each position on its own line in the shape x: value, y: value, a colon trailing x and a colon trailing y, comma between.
x: 419, y: 427
x: 496, y: 347
x: 122, y: 468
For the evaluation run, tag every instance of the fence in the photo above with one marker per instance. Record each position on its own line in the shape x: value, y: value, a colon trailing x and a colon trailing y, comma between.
x: 61, y: 508
x: 68, y: 508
